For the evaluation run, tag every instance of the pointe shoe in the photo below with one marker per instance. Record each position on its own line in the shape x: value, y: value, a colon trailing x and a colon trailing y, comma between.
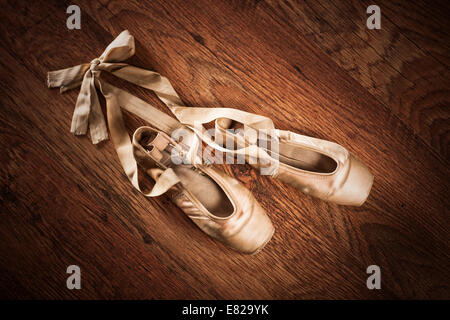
x: 320, y: 168
x: 317, y: 167
x: 218, y: 204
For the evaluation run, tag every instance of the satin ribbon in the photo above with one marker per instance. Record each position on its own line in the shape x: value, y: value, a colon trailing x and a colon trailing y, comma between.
x: 88, y: 112
x: 87, y: 109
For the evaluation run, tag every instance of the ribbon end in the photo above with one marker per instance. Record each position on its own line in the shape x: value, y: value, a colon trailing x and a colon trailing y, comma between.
x: 48, y: 81
x: 97, y: 140
x: 53, y: 82
x: 78, y: 128
x: 78, y: 133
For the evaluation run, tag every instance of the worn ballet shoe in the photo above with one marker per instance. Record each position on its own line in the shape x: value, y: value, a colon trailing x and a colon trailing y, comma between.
x: 218, y: 204
x: 320, y: 168
x: 316, y: 167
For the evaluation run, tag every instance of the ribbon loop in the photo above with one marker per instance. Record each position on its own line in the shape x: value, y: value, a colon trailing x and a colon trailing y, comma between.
x: 87, y: 110
x: 88, y: 113
x: 94, y: 63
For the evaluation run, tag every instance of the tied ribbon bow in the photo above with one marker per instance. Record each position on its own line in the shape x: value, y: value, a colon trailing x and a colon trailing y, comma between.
x: 87, y: 109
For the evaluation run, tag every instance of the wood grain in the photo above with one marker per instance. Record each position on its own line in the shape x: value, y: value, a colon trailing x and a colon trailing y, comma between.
x: 310, y: 66
x: 409, y: 76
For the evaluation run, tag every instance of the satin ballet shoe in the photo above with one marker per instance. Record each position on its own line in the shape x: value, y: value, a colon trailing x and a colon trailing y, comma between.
x: 320, y: 168
x: 218, y: 204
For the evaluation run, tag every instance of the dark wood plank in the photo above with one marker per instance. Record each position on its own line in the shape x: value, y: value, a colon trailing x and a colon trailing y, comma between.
x: 401, y: 74
x: 66, y: 201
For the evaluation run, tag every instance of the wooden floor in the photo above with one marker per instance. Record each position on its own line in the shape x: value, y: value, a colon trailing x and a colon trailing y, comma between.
x: 313, y: 67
